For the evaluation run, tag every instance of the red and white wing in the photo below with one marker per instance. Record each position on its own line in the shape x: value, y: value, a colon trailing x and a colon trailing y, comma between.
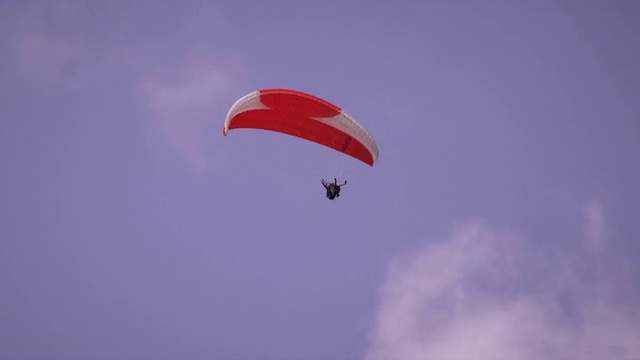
x: 305, y: 116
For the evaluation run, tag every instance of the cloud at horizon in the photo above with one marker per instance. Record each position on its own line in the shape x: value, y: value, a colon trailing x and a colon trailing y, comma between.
x: 469, y: 297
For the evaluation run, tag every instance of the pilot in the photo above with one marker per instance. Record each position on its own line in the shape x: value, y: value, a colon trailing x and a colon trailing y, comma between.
x: 333, y: 189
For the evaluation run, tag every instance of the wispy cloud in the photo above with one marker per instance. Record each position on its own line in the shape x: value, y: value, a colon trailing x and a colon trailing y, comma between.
x: 183, y: 92
x: 185, y: 104
x: 42, y: 55
x: 470, y: 297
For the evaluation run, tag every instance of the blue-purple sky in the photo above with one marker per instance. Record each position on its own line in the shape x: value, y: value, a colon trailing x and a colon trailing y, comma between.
x: 501, y: 221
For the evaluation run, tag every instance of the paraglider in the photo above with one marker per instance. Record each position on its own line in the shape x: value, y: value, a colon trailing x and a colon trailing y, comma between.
x: 304, y: 116
x: 333, y: 189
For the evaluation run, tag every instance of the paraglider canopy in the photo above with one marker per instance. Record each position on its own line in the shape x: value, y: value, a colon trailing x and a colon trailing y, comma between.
x: 305, y: 116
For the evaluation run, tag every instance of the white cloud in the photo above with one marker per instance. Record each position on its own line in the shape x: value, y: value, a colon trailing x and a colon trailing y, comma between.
x: 465, y: 298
